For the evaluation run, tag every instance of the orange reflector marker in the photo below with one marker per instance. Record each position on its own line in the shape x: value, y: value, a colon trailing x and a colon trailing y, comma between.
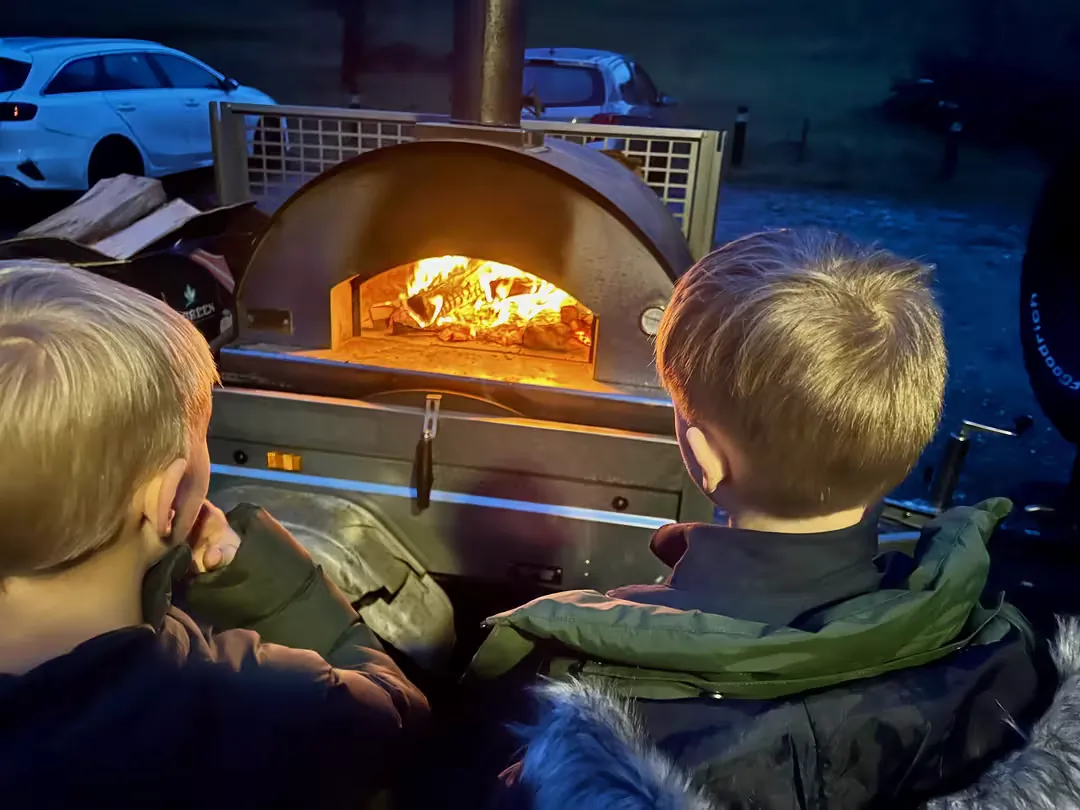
x: 288, y: 462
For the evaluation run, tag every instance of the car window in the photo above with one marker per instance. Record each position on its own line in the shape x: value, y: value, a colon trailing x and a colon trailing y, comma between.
x: 184, y: 73
x: 564, y: 85
x: 129, y: 71
x: 79, y: 76
x: 624, y: 80
x: 644, y: 86
x: 12, y: 74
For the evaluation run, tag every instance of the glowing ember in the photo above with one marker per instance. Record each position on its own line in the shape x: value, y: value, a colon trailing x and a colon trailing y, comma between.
x: 462, y: 299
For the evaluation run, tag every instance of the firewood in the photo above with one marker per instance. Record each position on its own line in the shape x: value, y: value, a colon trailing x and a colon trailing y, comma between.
x: 505, y: 335
x: 455, y: 334
x: 459, y: 288
x: 111, y: 205
x: 462, y: 288
x: 380, y: 314
x: 548, y: 336
x: 406, y: 330
x: 509, y: 287
x: 144, y: 232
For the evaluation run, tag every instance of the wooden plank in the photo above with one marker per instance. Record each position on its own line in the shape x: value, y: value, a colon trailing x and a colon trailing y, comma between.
x: 108, y: 207
x: 128, y: 242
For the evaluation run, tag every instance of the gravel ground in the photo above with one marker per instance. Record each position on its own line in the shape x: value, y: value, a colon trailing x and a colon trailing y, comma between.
x: 977, y: 256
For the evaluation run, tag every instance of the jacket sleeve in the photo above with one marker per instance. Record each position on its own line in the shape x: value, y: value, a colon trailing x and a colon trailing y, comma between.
x: 274, y: 588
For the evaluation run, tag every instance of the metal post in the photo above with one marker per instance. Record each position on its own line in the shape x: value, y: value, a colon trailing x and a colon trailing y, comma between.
x: 489, y: 61
x: 804, y: 141
x: 738, y: 143
x: 228, y: 138
x: 951, y: 159
x: 705, y: 196
x: 943, y: 487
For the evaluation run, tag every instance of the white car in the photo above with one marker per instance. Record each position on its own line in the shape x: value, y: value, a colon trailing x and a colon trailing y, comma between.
x: 75, y: 111
x: 584, y: 84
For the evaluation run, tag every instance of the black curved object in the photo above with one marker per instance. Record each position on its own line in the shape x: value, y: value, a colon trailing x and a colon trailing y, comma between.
x: 1050, y: 299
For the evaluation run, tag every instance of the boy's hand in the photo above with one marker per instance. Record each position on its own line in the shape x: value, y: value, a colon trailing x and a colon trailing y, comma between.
x: 213, y: 542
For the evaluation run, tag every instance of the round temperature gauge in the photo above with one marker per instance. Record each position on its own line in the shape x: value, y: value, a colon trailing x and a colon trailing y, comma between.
x: 650, y: 320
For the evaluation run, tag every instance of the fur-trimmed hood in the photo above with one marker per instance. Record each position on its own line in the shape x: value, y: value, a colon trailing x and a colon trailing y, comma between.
x: 589, y: 751
x: 1045, y: 773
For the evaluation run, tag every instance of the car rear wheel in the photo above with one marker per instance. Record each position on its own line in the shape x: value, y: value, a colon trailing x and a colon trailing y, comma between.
x: 1050, y: 301
x: 114, y: 156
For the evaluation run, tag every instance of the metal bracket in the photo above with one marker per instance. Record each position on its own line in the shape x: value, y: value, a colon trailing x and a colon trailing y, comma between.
x: 425, y: 465
x: 513, y: 137
x: 431, y: 415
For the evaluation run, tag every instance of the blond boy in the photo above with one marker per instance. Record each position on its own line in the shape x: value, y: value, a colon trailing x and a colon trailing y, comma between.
x: 783, y: 663
x: 111, y: 697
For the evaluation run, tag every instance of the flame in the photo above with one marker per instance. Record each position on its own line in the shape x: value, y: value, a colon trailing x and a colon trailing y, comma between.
x: 485, y: 297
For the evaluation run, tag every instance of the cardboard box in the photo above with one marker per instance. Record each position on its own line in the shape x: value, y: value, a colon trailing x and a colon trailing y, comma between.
x: 170, y: 253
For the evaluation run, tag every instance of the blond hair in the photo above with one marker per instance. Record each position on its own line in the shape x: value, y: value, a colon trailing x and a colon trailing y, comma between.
x: 823, y: 362
x: 101, y: 387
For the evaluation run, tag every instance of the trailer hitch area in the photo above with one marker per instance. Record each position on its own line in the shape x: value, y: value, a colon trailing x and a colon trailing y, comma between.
x: 424, y: 467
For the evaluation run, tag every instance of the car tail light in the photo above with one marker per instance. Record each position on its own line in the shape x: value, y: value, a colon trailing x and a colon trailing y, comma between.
x: 605, y: 118
x: 17, y: 111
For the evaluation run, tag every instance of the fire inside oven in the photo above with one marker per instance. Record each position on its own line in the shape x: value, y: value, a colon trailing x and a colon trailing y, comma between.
x: 465, y: 316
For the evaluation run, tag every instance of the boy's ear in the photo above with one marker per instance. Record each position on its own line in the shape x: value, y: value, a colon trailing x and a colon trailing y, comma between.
x: 160, y: 495
x: 713, y: 465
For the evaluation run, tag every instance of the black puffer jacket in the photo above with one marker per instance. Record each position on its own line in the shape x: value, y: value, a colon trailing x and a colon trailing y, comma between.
x: 590, y: 750
x: 165, y: 715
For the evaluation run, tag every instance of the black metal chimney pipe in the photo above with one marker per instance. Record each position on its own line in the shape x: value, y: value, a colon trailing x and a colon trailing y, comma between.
x: 489, y: 60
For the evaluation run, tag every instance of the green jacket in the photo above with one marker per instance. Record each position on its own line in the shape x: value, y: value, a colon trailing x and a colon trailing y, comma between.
x: 654, y: 652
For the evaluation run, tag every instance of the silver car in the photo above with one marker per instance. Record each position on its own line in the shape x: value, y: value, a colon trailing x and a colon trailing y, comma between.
x: 586, y: 85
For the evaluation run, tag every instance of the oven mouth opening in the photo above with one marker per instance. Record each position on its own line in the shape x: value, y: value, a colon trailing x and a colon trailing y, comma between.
x: 465, y: 317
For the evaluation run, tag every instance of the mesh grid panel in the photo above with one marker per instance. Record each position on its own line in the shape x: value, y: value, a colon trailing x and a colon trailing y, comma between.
x: 286, y: 152
x: 666, y: 164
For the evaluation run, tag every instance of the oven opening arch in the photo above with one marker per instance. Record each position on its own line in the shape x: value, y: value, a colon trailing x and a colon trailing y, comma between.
x: 547, y: 212
x: 465, y: 317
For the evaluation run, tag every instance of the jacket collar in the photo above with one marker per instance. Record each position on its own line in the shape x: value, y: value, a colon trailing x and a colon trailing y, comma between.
x: 663, y: 651
x: 768, y: 577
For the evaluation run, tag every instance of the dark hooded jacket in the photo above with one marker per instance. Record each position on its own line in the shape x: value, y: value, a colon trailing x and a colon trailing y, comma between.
x: 300, y: 708
x: 590, y: 750
x: 898, y: 686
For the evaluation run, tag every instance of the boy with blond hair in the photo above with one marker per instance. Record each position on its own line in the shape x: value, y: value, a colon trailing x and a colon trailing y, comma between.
x: 784, y: 663
x: 109, y: 695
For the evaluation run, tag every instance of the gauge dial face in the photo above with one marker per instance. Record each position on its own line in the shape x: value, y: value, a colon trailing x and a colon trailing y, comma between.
x: 650, y: 320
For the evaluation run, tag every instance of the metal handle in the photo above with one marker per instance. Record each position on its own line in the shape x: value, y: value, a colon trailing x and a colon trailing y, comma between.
x: 191, y: 103
x: 125, y: 107
x: 424, y: 463
x: 425, y: 473
x: 944, y: 483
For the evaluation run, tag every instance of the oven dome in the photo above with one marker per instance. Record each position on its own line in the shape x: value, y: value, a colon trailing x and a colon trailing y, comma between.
x: 563, y: 213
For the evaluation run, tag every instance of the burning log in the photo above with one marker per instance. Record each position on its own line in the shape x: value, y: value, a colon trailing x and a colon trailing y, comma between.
x: 381, y: 314
x: 462, y: 300
x: 459, y: 288
x: 399, y: 329
x: 455, y: 334
x: 547, y: 336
